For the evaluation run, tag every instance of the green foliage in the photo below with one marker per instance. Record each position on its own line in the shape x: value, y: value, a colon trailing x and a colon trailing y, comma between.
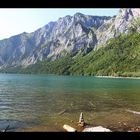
x: 60, y: 66
x: 115, y: 57
x: 134, y: 25
x: 120, y: 57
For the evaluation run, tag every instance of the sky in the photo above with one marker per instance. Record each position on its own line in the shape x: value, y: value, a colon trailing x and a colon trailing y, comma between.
x: 16, y: 21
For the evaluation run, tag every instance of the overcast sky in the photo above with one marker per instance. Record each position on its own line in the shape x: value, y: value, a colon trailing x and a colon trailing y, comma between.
x: 15, y: 21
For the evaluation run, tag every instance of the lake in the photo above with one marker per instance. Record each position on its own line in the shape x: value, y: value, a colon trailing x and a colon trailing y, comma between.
x: 47, y: 102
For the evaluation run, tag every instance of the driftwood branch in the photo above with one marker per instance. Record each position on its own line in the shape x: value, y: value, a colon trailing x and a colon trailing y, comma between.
x: 62, y: 112
x: 5, y: 130
x: 134, y: 112
x: 69, y: 128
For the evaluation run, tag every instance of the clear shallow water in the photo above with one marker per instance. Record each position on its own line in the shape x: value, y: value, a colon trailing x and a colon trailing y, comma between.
x: 37, y: 101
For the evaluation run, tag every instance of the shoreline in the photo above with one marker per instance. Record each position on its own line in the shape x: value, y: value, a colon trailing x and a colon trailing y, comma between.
x: 117, y: 77
x: 75, y: 75
x: 120, y: 127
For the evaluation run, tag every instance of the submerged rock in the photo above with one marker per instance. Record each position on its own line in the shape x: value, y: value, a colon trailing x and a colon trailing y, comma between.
x: 12, y: 125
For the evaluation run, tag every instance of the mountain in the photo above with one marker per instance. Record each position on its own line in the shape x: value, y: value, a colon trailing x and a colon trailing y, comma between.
x: 52, y: 41
x: 119, y: 57
x: 74, y: 44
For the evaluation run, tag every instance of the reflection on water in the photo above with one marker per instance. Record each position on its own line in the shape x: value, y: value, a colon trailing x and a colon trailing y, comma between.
x: 41, y: 98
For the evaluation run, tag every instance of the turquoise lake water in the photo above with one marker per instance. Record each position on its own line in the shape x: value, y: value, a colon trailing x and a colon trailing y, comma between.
x: 38, y: 100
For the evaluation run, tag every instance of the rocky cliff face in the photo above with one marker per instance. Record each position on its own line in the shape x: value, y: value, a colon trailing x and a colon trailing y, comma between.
x: 124, y: 22
x: 67, y: 35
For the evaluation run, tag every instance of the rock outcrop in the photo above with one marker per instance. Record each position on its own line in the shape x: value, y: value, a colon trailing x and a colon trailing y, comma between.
x: 96, y: 129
